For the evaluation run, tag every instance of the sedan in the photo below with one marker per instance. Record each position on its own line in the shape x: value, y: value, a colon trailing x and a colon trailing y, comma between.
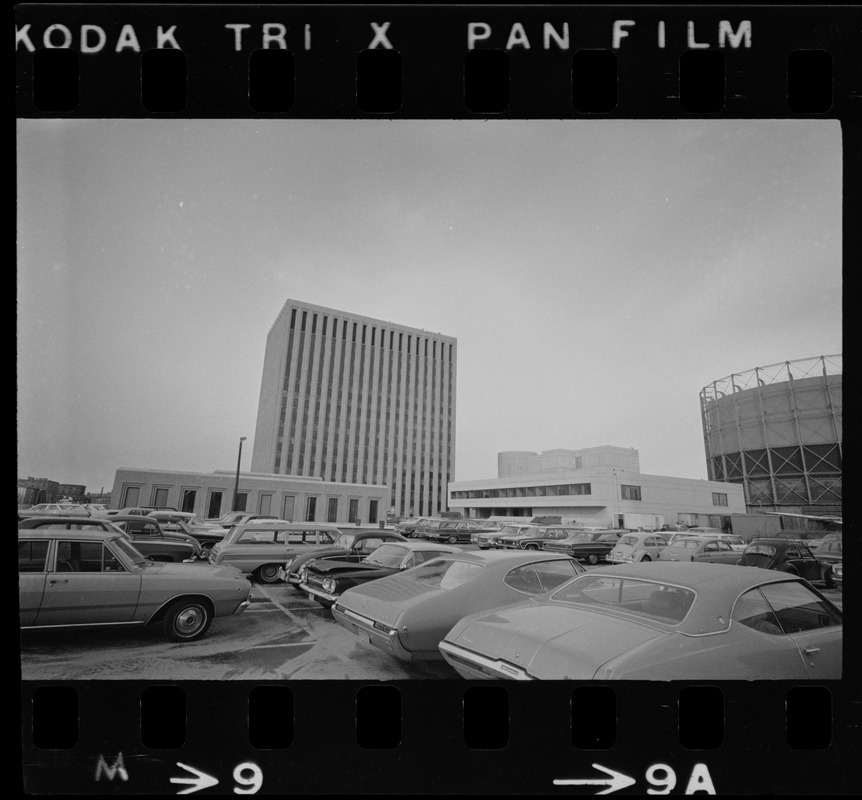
x: 407, y: 615
x: 146, y: 536
x: 325, y: 579
x: 491, y: 538
x: 787, y: 555
x: 73, y: 578
x: 62, y: 509
x: 589, y: 546
x: 700, y: 548
x: 534, y: 538
x: 657, y: 622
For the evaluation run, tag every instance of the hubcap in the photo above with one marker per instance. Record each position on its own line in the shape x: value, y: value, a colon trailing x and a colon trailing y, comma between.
x: 190, y: 620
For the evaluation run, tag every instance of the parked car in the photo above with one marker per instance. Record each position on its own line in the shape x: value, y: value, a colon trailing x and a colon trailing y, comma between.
x: 454, y: 531
x: 207, y: 533
x: 668, y: 622
x: 787, y: 555
x: 700, y: 548
x: 407, y: 526
x: 408, y: 614
x: 830, y: 551
x: 589, y: 546
x: 95, y: 509
x: 95, y: 577
x: 634, y: 547
x: 261, y: 547
x: 143, y: 511
x: 238, y: 518
x: 536, y: 535
x: 64, y: 509
x: 350, y: 546
x: 489, y: 539
x: 326, y: 579
x: 147, y: 537
x: 149, y: 534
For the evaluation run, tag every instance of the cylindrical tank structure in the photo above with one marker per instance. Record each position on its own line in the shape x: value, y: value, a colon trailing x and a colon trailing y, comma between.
x: 777, y: 431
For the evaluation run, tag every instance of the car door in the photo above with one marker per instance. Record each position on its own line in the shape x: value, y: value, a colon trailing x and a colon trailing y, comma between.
x: 32, y: 574
x: 808, y: 565
x: 86, y: 585
x: 814, y: 626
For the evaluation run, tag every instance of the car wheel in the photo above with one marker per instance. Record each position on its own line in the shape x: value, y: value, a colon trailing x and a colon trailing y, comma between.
x: 592, y: 558
x: 828, y: 578
x: 531, y: 547
x: 452, y: 540
x: 187, y: 620
x: 646, y: 558
x: 268, y: 573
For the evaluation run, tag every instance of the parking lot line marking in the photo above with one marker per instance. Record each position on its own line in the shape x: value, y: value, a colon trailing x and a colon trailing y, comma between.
x: 284, y: 644
x: 287, y: 613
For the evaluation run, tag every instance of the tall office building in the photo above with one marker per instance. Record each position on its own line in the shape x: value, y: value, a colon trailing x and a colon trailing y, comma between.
x: 358, y: 400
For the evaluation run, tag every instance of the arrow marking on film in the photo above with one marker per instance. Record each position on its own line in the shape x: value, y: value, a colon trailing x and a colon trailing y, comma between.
x: 614, y: 783
x: 201, y: 781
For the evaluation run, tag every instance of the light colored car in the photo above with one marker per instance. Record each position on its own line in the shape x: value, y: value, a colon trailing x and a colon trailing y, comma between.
x: 261, y: 547
x: 636, y: 547
x: 490, y: 539
x: 407, y: 614
x: 657, y: 622
x: 714, y: 550
x: 63, y: 509
x: 84, y: 577
x: 238, y: 518
x: 325, y: 579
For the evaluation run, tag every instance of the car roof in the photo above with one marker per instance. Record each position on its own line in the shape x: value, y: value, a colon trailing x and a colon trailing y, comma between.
x: 134, y: 518
x: 507, y: 557
x: 60, y: 519
x: 294, y: 526
x: 694, y: 575
x: 54, y: 533
x: 408, y: 544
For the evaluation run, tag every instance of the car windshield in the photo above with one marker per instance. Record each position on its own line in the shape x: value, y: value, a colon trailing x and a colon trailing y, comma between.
x: 630, y: 540
x: 387, y: 555
x: 444, y: 573
x: 760, y: 550
x: 509, y: 529
x: 648, y: 599
x: 582, y: 537
x: 344, y: 541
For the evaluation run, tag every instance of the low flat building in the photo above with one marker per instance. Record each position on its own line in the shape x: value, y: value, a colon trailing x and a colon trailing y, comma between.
x: 601, y: 496
x: 289, y: 497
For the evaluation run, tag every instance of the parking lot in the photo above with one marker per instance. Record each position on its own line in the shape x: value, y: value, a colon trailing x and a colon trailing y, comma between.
x: 281, y: 635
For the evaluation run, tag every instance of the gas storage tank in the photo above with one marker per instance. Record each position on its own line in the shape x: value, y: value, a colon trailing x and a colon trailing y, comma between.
x: 777, y: 430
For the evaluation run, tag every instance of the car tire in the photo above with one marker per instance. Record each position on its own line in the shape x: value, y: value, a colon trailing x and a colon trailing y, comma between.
x: 592, y: 558
x: 531, y: 547
x: 187, y: 620
x: 452, y: 540
x: 268, y: 573
x: 646, y: 558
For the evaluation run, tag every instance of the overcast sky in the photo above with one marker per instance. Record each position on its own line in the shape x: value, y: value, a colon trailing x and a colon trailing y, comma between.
x: 597, y: 274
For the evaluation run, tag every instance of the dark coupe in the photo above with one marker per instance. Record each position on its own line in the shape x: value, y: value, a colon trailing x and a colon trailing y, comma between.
x: 324, y: 580
x: 589, y: 546
x: 786, y: 555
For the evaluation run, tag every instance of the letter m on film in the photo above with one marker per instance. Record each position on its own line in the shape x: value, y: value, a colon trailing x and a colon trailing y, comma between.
x: 117, y: 768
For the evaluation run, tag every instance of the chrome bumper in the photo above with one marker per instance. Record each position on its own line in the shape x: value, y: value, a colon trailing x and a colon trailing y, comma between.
x: 472, y: 665
x: 318, y: 594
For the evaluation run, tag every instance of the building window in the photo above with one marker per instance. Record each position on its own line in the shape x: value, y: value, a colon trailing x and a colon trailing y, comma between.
x: 130, y: 496
x: 719, y: 499
x: 630, y: 492
x: 310, y: 509
x: 265, y: 504
x: 241, y: 500
x: 189, y: 497
x: 160, y: 496
x: 353, y: 513
x: 287, y: 507
x: 214, y: 505
x: 372, y: 512
x: 332, y: 510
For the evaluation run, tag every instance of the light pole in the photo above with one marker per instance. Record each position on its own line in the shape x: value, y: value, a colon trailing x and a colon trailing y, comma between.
x: 236, y: 484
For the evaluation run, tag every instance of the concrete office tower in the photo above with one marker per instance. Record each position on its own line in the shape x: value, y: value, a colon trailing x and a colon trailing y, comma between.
x: 357, y: 400
x: 777, y: 430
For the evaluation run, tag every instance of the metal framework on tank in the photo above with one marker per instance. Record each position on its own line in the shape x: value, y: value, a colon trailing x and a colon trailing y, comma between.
x: 782, y: 443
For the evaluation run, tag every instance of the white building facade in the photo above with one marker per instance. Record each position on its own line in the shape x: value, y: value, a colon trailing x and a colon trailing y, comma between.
x: 290, y: 497
x: 601, y: 496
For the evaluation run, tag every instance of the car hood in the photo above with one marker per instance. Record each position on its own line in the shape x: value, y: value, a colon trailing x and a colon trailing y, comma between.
x: 333, y: 566
x: 551, y: 641
x: 179, y: 570
x: 386, y: 599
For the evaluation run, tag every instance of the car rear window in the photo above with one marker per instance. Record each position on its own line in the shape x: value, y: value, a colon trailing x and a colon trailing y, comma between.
x: 691, y: 544
x: 445, y: 573
x: 760, y: 550
x: 630, y: 540
x: 648, y: 599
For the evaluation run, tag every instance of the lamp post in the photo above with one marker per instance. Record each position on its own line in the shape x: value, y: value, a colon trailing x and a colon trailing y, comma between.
x: 236, y: 484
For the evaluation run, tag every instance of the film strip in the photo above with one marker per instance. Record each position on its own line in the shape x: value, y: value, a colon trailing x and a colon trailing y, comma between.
x: 559, y: 62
